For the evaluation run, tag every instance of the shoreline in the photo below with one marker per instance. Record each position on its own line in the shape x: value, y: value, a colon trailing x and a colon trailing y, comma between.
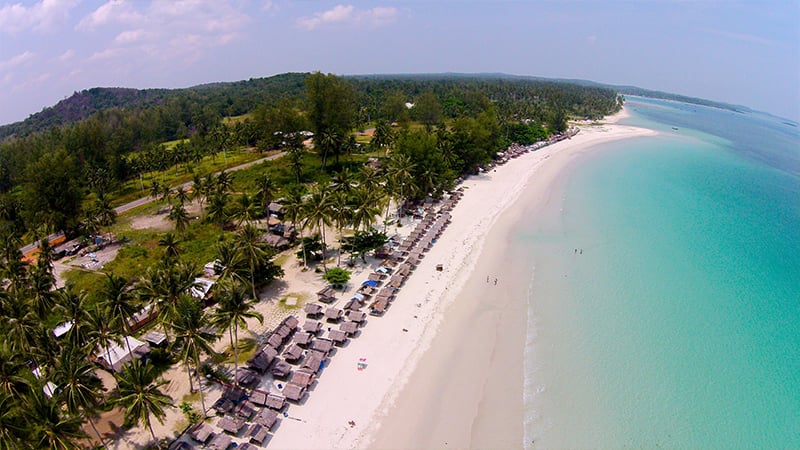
x: 417, y: 392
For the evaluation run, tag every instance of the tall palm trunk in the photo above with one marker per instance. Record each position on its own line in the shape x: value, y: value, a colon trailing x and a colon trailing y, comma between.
x: 189, y: 374
x: 200, y: 385
x: 235, y: 351
x: 152, y: 433
x: 91, y: 423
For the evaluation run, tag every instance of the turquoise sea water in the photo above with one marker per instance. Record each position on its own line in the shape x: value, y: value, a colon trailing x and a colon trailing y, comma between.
x: 679, y: 324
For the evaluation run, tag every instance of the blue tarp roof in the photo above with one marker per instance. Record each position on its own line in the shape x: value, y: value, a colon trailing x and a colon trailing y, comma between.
x: 371, y: 283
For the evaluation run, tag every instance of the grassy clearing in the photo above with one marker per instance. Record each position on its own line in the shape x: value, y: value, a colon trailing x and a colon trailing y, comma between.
x: 233, y: 120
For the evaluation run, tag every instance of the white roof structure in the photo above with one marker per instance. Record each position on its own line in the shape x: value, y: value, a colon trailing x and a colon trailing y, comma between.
x: 201, y: 287
x: 62, y: 328
x: 119, y: 353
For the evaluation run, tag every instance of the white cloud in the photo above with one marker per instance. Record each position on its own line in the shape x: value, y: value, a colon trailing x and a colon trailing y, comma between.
x: 347, y: 14
x: 67, y: 55
x: 112, y: 12
x: 179, y: 30
x: 41, y: 16
x: 16, y: 61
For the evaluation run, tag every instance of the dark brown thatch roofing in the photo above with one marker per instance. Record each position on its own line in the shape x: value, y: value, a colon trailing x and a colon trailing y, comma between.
x: 283, y: 331
x: 312, y: 326
x: 260, y: 361
x: 220, y: 442
x: 322, y: 345
x: 349, y: 327
x: 302, y: 378
x: 293, y: 352
x: 233, y: 393
x: 337, y: 336
x: 223, y: 405
x: 327, y: 292
x: 258, y: 434
x: 281, y: 369
x: 258, y: 397
x: 231, y: 424
x: 291, y: 322
x: 313, y: 361
x: 266, y: 418
x: 202, y: 432
x: 246, y: 410
x: 294, y: 392
x: 379, y: 306
x: 374, y: 276
x: 353, y: 304
x: 275, y: 401
x: 333, y: 313
x: 355, y: 316
x: 275, y: 208
x: 303, y: 338
x: 246, y: 376
x: 312, y: 309
x: 275, y: 340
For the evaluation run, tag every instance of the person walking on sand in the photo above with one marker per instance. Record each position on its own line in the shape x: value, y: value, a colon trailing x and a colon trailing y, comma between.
x: 487, y: 278
x: 495, y: 281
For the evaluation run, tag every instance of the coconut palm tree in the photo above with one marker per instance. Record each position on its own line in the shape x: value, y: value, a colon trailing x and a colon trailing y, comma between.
x: 401, y: 174
x: 254, y: 251
x: 245, y: 210
x: 266, y: 190
x: 366, y: 206
x: 155, y: 189
x: 232, y: 264
x: 79, y: 388
x: 180, y: 195
x: 294, y: 207
x: 50, y: 426
x: 139, y: 395
x: 192, y: 338
x: 164, y: 285
x: 100, y: 331
x: 172, y: 249
x: 102, y: 210
x: 179, y: 215
x: 340, y: 214
x: 233, y: 308
x: 217, y: 211
x: 12, y: 426
x: 41, y: 284
x: 116, y: 295
x: 14, y: 374
x: 19, y: 325
x: 317, y: 211
x: 73, y: 308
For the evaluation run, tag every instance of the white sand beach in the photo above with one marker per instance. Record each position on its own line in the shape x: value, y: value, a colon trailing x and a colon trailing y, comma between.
x: 444, y: 365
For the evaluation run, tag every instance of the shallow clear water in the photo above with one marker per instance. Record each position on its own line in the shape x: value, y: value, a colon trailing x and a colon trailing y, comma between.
x: 679, y: 324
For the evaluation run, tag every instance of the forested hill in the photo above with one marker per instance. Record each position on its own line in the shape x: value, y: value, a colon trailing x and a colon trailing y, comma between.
x: 228, y: 98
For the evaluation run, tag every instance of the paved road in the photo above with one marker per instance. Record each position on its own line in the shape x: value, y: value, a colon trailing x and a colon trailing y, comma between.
x: 145, y: 200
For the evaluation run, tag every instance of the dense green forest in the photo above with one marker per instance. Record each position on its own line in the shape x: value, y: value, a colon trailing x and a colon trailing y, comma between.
x: 99, y: 138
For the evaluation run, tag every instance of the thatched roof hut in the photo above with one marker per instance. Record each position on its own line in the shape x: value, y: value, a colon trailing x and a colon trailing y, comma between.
x: 350, y: 328
x: 302, y: 339
x: 262, y: 359
x: 223, y: 405
x: 266, y: 418
x: 312, y: 326
x: 234, y: 393
x: 291, y: 322
x: 258, y: 433
x: 338, y: 336
x: 333, y: 314
x: 313, y: 361
x: 246, y: 410
x: 220, y: 442
x: 283, y: 331
x: 355, y: 316
x: 275, y: 340
x: 293, y: 353
x: 294, y: 392
x: 353, y: 304
x: 281, y: 369
x: 322, y: 345
x: 230, y: 424
x: 275, y: 401
x: 313, y: 309
x: 202, y: 432
x: 379, y: 306
x: 258, y: 397
x: 302, y: 378
x: 246, y: 377
x: 375, y: 276
x: 327, y: 295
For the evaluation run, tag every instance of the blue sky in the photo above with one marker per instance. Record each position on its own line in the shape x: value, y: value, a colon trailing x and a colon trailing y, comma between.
x: 743, y: 52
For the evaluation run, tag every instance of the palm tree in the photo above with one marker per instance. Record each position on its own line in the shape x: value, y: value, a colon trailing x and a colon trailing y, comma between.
x: 266, y: 190
x: 41, y: 283
x: 245, y: 210
x: 294, y: 207
x: 155, y: 189
x: 217, y: 211
x: 102, y: 210
x: 121, y: 302
x: 172, y: 249
x: 180, y: 195
x: 223, y: 182
x: 19, y: 325
x: 139, y: 395
x: 296, y: 161
x: 254, y: 252
x: 199, y: 191
x: 401, y: 174
x: 51, y: 427
x: 192, y: 338
x: 164, y: 285
x: 317, y: 212
x: 233, y: 308
x: 366, y: 205
x: 100, y: 331
x: 14, y: 374
x: 73, y: 308
x: 179, y: 215
x: 233, y: 266
x: 12, y: 427
x: 79, y: 388
x: 340, y: 214
x: 383, y: 137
